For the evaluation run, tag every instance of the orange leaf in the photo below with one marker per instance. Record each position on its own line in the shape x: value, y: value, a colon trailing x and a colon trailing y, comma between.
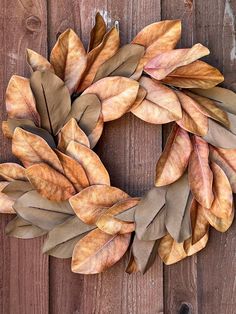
x: 50, y: 183
x: 220, y: 224
x: 171, y: 251
x: 6, y: 202
x: 94, y: 168
x: 98, y: 251
x: 200, y: 174
x: 198, y: 74
x: 140, y: 97
x: 193, y: 120
x: 20, y: 102
x: 117, y: 95
x: 10, y: 171
x: 174, y: 158
x: 92, y: 202
x: 38, y: 62
x: 97, y: 32
x: 69, y: 59
x: 95, y: 135
x: 166, y: 62
x: 161, y: 105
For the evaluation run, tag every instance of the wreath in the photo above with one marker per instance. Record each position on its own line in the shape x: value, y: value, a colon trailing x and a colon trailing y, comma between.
x: 56, y: 117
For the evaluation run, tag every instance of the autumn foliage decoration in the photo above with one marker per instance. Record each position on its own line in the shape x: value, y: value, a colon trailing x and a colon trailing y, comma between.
x: 62, y: 189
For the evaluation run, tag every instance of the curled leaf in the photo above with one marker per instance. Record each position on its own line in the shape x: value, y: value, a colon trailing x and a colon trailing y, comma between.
x: 38, y: 62
x: 97, y: 32
x: 171, y: 251
x: 140, y: 97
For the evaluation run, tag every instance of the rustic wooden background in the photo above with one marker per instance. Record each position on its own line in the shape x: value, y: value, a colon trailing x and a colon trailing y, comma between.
x: 33, y: 283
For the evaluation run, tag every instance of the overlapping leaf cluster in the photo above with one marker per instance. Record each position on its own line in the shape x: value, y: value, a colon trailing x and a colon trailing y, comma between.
x: 56, y: 117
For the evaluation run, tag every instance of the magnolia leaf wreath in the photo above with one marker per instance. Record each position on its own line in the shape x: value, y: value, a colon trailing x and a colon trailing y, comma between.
x: 56, y: 117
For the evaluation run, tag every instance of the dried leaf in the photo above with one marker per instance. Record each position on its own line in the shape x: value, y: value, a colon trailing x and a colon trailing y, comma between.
x: 73, y: 171
x: 71, y: 132
x: 52, y: 100
x: 175, y: 157
x: 38, y: 62
x: 69, y: 59
x: 19, y: 228
x: 86, y: 110
x: 140, y: 97
x: 95, y: 135
x: 96, y: 57
x: 220, y: 224
x: 178, y: 200
x: 117, y: 94
x: 200, y: 230
x: 200, y: 174
x: 123, y: 63
x: 97, y: 32
x: 10, y: 171
x: 197, y: 74
x: 219, y: 136
x: 9, y: 126
x: 165, y: 63
x: 50, y: 183
x: 94, y: 168
x: 171, y: 251
x: 98, y: 251
x: 193, y: 120
x: 146, y: 211
x: 92, y: 202
x: 16, y: 189
x: 6, y: 202
x: 161, y: 105
x: 32, y: 149
x: 20, y: 102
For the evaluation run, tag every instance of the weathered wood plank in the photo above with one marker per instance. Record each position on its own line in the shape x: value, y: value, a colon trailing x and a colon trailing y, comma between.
x: 129, y: 149
x: 24, y: 271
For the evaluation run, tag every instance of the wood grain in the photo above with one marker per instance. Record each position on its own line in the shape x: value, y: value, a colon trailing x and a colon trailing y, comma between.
x: 24, y: 270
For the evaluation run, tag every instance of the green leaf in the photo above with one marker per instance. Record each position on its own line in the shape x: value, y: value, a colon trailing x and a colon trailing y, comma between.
x: 52, y: 100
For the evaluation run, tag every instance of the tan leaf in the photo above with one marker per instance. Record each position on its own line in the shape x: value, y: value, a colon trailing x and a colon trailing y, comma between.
x: 32, y: 149
x: 161, y: 105
x: 200, y: 230
x: 117, y: 95
x: 69, y: 59
x: 220, y: 224
x: 98, y: 251
x: 50, y: 183
x: 9, y: 126
x: 95, y: 135
x: 175, y: 157
x: 222, y: 206
x: 171, y: 251
x: 73, y: 171
x: 200, y: 174
x: 71, y: 132
x: 209, y: 108
x: 6, y: 202
x: 96, y: 57
x: 94, y: 168
x: 38, y: 62
x: 165, y: 63
x: 193, y: 120
x: 92, y: 202
x: 20, y: 102
x: 97, y: 33
x: 197, y: 74
x: 140, y: 97
x: 10, y: 171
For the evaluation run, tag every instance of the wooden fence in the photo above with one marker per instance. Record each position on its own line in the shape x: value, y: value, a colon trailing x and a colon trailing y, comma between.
x: 33, y: 283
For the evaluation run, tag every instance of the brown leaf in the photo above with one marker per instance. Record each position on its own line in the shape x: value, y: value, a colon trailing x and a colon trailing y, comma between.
x: 175, y: 157
x: 38, y: 62
x: 220, y: 224
x: 161, y: 105
x: 97, y: 33
x: 69, y: 59
x: 117, y: 95
x: 52, y: 100
x: 9, y: 126
x: 165, y: 63
x: 6, y: 202
x: 92, y: 202
x: 171, y: 251
x: 10, y: 171
x: 193, y: 120
x: 98, y: 251
x: 200, y: 174
x: 200, y: 230
x: 20, y: 102
x: 94, y: 168
x: 123, y: 63
x: 50, y: 183
x: 96, y: 57
x: 209, y: 108
x: 95, y: 135
x: 73, y: 171
x: 71, y: 132
x: 140, y: 97
x: 32, y: 149
x: 197, y: 74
